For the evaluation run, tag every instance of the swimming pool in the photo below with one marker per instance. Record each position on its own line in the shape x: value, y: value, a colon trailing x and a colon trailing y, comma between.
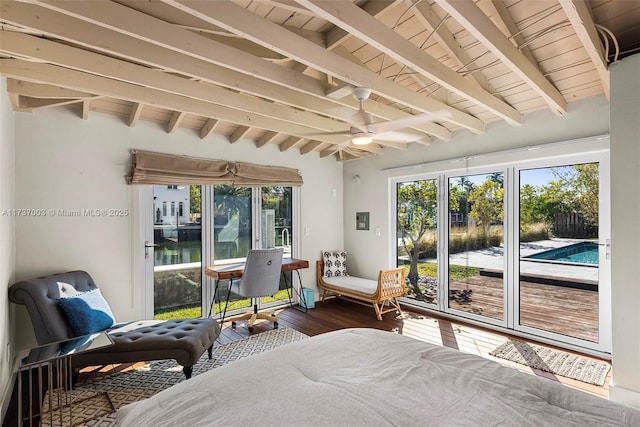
x: 583, y: 253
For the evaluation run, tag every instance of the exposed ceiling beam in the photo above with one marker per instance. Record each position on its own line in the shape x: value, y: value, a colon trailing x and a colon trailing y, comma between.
x: 174, y: 122
x: 57, y: 25
x: 350, y: 17
x: 241, y: 21
x: 36, y: 90
x: 64, y: 77
x: 503, y: 17
x: 85, y: 109
x: 266, y: 138
x: 310, y: 146
x: 337, y: 35
x: 580, y: 17
x: 291, y: 142
x: 144, y: 27
x: 134, y: 115
x: 447, y: 41
x: 24, y: 45
x: 208, y: 128
x: 239, y: 133
x: 468, y: 14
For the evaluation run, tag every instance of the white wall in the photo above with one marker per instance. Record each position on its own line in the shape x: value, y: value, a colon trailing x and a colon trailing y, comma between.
x: 625, y: 229
x: 63, y: 162
x: 370, y: 253
x: 7, y: 244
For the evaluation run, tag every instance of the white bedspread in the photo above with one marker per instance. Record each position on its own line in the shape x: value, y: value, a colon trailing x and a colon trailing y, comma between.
x: 366, y: 377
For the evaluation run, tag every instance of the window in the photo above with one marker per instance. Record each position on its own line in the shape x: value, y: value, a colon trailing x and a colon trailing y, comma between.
x: 225, y: 223
x: 164, y: 208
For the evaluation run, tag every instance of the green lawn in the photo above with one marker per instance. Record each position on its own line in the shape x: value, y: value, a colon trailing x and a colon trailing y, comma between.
x: 456, y: 272
x: 194, y: 311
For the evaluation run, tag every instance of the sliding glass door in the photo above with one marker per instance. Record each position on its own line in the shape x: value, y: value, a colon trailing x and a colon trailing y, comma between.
x: 525, y: 246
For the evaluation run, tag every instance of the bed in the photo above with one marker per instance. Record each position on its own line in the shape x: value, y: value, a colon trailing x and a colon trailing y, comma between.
x: 367, y: 377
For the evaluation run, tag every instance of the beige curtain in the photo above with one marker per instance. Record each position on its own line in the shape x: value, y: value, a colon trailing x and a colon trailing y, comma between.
x: 167, y: 169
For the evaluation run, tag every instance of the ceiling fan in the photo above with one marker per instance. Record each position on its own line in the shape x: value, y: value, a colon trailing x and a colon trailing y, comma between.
x: 363, y: 130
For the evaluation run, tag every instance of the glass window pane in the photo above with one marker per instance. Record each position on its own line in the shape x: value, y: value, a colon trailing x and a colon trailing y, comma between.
x: 417, y: 238
x: 476, y: 248
x: 177, y: 257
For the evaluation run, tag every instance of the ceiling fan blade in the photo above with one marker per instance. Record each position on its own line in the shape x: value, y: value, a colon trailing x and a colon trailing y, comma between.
x: 391, y: 125
x: 396, y: 136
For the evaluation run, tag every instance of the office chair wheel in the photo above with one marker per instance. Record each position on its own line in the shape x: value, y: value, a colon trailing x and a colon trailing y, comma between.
x: 275, y: 325
x: 233, y: 325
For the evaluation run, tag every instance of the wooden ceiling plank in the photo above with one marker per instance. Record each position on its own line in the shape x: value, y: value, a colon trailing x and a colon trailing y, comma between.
x: 239, y: 133
x: 134, y: 115
x: 266, y: 138
x: 580, y: 17
x: 64, y: 77
x: 240, y: 21
x: 350, y: 17
x: 469, y: 15
x: 95, y: 37
x: 174, y: 122
x: 208, y: 128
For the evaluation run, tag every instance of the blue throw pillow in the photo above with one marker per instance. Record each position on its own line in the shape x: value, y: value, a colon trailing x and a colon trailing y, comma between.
x: 87, y: 312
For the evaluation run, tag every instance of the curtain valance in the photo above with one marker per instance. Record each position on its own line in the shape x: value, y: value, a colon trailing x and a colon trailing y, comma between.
x: 167, y: 169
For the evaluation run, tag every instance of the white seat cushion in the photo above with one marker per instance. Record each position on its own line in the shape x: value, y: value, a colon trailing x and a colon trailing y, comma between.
x: 367, y: 286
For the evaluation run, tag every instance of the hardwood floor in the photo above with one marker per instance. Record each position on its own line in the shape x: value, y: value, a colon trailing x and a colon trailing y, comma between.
x: 336, y: 314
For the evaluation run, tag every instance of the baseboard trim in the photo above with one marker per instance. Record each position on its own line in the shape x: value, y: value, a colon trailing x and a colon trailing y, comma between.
x: 624, y: 396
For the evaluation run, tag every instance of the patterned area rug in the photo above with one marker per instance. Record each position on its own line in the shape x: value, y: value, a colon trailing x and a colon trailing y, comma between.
x: 554, y: 361
x: 94, y: 403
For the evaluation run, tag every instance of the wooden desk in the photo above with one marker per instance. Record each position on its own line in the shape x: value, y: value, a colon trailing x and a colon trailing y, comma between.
x: 235, y: 270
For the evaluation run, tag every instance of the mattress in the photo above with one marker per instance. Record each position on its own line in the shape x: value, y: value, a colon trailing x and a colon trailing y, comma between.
x: 367, y: 377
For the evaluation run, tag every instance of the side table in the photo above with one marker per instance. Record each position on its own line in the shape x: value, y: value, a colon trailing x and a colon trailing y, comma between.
x: 52, y: 357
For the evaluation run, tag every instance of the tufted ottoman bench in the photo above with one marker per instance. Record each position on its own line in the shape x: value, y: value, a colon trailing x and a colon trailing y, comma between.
x: 184, y: 340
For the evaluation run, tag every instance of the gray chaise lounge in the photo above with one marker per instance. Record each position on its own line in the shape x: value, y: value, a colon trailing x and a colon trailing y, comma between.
x: 183, y: 340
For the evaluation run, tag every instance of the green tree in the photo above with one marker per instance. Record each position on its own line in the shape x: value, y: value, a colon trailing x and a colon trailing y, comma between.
x: 195, y: 200
x: 579, y: 189
x: 487, y: 199
x: 417, y: 214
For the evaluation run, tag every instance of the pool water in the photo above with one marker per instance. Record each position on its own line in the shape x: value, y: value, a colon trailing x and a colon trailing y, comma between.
x: 578, y: 253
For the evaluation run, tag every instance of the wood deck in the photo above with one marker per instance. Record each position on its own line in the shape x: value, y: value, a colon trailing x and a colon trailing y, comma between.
x: 335, y: 314
x: 561, y: 309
